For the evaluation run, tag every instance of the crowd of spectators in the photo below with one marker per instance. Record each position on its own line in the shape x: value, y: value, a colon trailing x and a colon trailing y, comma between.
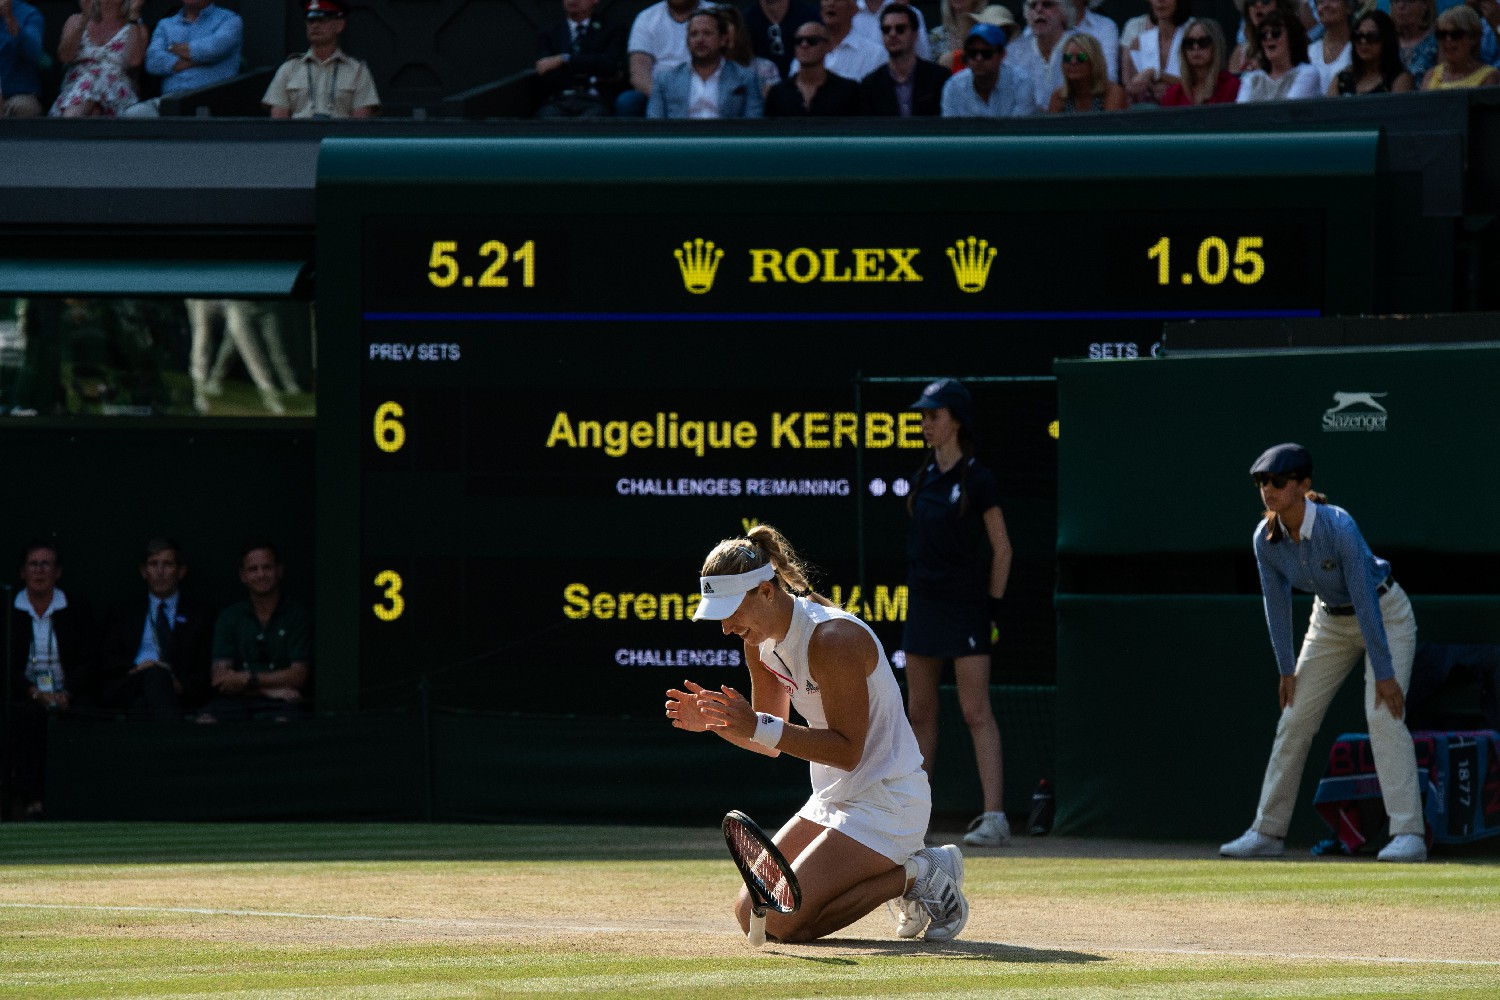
x: 161, y: 656
x: 110, y: 53
x: 863, y: 57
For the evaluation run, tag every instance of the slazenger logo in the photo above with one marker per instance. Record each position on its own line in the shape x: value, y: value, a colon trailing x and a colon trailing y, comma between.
x: 1355, y: 411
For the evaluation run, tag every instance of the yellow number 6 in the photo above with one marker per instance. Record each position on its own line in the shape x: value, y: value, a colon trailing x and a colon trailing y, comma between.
x: 391, y: 581
x: 390, y: 434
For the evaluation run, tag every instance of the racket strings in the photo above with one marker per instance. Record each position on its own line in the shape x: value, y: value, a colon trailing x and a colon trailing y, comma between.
x: 767, y: 873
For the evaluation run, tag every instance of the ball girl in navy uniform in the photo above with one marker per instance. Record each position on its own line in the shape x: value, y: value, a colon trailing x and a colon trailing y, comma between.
x: 858, y: 841
x: 1359, y: 613
x: 959, y: 558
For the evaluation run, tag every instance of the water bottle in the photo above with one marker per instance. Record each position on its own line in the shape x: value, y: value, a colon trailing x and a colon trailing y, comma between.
x: 1042, y: 807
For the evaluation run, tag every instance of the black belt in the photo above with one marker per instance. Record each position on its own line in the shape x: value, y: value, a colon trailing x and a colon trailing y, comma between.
x: 1348, y: 609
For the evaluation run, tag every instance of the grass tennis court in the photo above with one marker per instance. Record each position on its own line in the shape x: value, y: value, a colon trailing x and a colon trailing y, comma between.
x: 368, y: 912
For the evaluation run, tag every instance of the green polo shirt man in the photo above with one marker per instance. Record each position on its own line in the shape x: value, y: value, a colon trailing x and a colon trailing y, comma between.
x: 262, y: 650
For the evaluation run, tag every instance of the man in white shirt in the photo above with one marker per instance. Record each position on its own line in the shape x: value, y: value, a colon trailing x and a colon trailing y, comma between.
x: 658, y: 41
x: 1078, y: 17
x: 852, y: 55
x: 867, y: 22
x: 1038, y: 52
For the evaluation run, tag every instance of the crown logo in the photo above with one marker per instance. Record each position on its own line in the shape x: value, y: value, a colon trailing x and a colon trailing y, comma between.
x: 699, y: 261
x: 971, y: 261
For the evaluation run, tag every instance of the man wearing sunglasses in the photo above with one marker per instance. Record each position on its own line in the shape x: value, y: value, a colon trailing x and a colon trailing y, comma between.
x: 986, y: 87
x: 851, y: 54
x: 1360, y: 614
x: 773, y: 25
x: 867, y: 18
x: 812, y: 90
x: 906, y: 85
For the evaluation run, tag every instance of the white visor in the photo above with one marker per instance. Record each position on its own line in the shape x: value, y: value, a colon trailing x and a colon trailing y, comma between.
x: 722, y: 594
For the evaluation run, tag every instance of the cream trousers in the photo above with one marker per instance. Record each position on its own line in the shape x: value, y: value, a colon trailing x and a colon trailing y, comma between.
x: 1331, y: 649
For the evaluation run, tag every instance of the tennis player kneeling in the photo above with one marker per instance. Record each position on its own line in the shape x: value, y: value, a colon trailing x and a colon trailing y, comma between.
x: 858, y: 840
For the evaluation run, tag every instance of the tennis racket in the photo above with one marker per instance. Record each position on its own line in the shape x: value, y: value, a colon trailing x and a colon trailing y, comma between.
x: 767, y: 874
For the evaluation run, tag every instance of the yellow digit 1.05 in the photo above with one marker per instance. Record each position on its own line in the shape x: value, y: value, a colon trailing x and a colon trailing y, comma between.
x: 1213, y: 261
x: 390, y: 433
x: 444, y: 267
x: 395, y: 603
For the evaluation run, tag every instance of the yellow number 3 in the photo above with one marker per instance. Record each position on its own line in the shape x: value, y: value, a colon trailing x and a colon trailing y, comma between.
x: 391, y: 581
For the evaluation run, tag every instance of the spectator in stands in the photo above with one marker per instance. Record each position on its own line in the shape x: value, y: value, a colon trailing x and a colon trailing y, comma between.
x: 987, y: 88
x: 324, y: 81
x: 196, y: 47
x: 262, y: 648
x: 867, y: 22
x: 1414, y: 20
x: 1037, y: 54
x: 582, y: 63
x: 851, y: 54
x: 1204, y: 78
x: 658, y: 42
x: 812, y: 90
x: 155, y: 662
x: 946, y: 40
x: 708, y: 85
x: 51, y: 660
x: 1360, y: 616
x: 737, y: 49
x: 1105, y: 32
x: 1375, y: 67
x: 1246, y: 55
x: 20, y: 57
x: 906, y: 85
x: 1151, y: 62
x: 1085, y: 87
x: 772, y: 24
x: 1288, y: 75
x: 105, y: 49
x: 1330, y: 55
x: 1458, y: 32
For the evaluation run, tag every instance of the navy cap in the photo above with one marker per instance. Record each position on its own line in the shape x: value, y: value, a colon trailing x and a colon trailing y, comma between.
x: 949, y: 393
x: 1283, y: 458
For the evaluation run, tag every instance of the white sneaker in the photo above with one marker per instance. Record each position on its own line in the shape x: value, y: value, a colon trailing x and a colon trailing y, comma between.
x: 1404, y: 847
x: 1254, y: 844
x: 989, y: 829
x: 940, y: 892
x: 911, y: 918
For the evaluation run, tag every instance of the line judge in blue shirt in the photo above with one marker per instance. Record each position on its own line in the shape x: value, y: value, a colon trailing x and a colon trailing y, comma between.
x: 195, y: 47
x: 986, y: 87
x: 1307, y: 543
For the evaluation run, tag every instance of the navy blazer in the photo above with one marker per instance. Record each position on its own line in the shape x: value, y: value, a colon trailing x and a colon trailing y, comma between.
x: 599, y: 60
x: 193, y: 636
x: 878, y: 91
x: 739, y: 92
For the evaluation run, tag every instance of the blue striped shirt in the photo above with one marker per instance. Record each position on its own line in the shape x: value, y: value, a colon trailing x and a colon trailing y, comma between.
x: 1333, y: 562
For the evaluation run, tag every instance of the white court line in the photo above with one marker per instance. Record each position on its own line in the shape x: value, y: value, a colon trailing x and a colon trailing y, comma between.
x: 636, y: 926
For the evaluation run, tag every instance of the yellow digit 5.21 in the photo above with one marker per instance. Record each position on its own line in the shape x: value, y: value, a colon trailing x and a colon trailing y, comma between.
x: 1213, y: 263
x: 394, y: 602
x: 488, y: 271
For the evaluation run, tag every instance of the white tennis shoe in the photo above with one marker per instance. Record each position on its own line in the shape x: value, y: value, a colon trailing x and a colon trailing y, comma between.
x: 989, y: 829
x: 1404, y: 847
x: 940, y: 893
x: 1254, y: 844
x: 911, y: 918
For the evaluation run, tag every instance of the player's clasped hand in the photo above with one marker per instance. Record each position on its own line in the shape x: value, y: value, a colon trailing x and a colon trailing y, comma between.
x: 682, y: 708
x: 728, y: 710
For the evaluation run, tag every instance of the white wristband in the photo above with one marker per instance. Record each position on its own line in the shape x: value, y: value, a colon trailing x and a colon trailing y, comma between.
x: 768, y: 729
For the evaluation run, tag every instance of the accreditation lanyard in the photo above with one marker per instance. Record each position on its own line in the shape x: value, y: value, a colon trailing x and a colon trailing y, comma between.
x: 333, y: 82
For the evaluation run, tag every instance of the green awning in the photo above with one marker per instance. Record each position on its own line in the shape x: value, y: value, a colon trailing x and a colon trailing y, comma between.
x: 234, y: 279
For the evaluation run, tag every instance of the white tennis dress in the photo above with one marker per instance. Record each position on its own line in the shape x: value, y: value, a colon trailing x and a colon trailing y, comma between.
x: 885, y: 802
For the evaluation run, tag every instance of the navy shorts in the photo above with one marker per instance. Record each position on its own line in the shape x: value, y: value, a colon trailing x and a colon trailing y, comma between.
x: 945, y: 628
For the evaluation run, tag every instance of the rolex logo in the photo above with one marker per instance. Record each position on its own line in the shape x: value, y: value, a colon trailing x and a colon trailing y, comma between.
x: 698, y: 260
x: 971, y: 259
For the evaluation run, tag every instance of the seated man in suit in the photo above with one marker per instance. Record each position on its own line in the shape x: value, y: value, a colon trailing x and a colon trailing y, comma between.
x: 906, y: 85
x: 708, y: 85
x: 582, y: 63
x: 155, y: 662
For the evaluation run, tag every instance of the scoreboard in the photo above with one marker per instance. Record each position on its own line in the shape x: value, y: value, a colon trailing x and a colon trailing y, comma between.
x: 555, y: 373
